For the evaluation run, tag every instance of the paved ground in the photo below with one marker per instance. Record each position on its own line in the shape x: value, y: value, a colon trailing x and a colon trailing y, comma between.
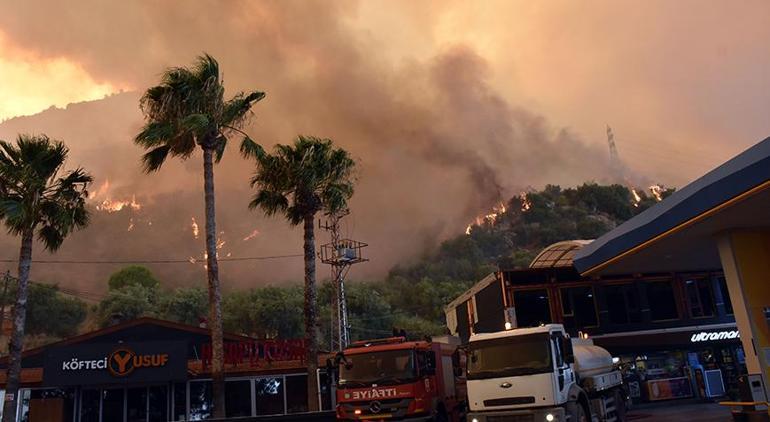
x: 672, y: 411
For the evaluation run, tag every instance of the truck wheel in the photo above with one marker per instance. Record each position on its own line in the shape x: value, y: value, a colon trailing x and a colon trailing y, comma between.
x: 441, y: 415
x: 576, y: 412
x: 620, y: 405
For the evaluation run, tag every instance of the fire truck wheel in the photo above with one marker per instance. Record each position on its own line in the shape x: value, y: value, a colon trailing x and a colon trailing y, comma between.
x: 441, y: 415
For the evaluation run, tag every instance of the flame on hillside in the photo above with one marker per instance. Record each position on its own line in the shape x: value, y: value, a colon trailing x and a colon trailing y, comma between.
x: 220, y: 244
x: 489, y: 218
x: 637, y: 199
x: 194, y: 227
x: 254, y: 233
x: 103, y: 198
x: 657, y: 191
x: 525, y: 203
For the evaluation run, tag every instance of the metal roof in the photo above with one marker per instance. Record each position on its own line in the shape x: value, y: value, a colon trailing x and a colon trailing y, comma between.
x: 559, y: 254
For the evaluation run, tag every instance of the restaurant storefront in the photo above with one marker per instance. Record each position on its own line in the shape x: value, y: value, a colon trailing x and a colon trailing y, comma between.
x: 688, y: 362
x: 151, y: 370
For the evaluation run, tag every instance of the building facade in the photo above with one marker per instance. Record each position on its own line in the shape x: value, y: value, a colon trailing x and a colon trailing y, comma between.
x: 673, y: 334
x: 151, y: 370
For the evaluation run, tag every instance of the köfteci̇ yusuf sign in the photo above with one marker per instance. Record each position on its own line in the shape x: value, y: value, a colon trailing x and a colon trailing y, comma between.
x: 115, y: 363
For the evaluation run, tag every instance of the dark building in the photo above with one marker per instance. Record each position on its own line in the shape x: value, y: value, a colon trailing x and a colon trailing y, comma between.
x: 152, y: 370
x: 673, y: 334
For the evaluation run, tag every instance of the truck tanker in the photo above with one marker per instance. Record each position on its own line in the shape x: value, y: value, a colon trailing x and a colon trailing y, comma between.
x: 541, y: 374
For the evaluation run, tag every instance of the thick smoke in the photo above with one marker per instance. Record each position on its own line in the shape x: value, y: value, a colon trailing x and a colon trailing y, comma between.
x: 435, y: 143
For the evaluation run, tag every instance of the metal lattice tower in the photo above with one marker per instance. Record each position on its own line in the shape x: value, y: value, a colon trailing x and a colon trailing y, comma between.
x: 341, y: 254
x: 614, y: 159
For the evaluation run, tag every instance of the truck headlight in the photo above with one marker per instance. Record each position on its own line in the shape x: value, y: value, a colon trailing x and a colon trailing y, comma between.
x: 549, y: 417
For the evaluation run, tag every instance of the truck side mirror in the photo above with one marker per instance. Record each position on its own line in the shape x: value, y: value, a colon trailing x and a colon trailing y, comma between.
x: 430, y: 363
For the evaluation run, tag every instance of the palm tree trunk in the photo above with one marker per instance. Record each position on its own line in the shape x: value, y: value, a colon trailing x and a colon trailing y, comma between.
x: 17, y: 336
x: 215, y: 294
x: 311, y: 316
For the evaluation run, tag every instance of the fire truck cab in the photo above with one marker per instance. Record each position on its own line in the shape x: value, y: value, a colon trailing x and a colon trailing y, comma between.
x: 396, y: 379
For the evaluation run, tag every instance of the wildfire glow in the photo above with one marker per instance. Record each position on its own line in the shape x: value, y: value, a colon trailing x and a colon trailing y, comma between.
x: 194, y: 227
x: 489, y: 218
x: 525, y: 203
x: 112, y: 205
x: 130, y: 224
x: 254, y: 233
x: 637, y: 198
x: 656, y: 191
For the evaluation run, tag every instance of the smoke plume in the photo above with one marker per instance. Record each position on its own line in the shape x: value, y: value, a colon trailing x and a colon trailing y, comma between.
x: 435, y: 143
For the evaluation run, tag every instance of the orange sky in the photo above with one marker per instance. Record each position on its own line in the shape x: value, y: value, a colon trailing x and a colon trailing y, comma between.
x: 31, y: 82
x: 685, y: 84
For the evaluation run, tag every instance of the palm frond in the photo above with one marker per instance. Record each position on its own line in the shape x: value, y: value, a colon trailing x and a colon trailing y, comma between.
x: 309, y: 175
x: 154, y: 159
x: 219, y: 149
x: 251, y: 149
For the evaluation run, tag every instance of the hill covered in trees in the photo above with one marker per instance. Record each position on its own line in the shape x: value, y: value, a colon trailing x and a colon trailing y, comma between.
x: 411, y: 296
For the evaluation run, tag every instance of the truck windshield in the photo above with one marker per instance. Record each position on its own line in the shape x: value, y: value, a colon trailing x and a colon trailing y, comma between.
x: 385, y: 367
x: 509, y: 356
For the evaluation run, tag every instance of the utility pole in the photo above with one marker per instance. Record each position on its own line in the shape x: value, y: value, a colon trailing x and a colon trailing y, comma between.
x: 341, y: 254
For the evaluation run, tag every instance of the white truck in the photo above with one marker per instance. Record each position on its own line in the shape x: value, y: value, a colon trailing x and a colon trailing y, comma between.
x: 540, y: 374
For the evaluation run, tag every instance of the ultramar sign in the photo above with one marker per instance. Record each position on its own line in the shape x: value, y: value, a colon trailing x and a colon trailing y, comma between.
x: 375, y: 393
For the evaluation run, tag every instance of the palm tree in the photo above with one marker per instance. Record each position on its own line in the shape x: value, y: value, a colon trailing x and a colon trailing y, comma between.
x: 36, y: 200
x: 298, y: 181
x: 185, y: 111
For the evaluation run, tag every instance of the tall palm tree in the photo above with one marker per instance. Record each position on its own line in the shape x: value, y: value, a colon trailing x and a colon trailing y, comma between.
x: 36, y: 200
x: 298, y: 181
x: 185, y: 111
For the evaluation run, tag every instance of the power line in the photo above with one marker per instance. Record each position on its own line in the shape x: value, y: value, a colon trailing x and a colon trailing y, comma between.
x: 154, y: 261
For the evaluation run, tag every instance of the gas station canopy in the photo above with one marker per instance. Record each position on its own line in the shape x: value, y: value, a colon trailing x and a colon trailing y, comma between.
x: 679, y: 233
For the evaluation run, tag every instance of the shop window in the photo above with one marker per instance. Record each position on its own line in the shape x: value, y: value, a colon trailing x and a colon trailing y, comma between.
x: 200, y: 400
x: 660, y: 296
x: 158, y: 403
x: 89, y: 406
x: 725, y: 296
x: 179, y: 410
x: 326, y: 390
x: 269, y: 395
x: 700, y: 297
x: 238, y: 398
x: 112, y: 404
x: 136, y: 404
x: 578, y: 307
x: 532, y: 307
x: 623, y: 304
x: 296, y: 394
x: 47, y: 404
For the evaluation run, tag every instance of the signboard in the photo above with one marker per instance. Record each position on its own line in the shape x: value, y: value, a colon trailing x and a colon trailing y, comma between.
x: 256, y: 353
x: 704, y: 336
x: 109, y: 363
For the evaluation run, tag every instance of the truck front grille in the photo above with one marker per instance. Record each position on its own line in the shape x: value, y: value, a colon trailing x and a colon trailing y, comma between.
x: 511, y: 418
x: 509, y: 401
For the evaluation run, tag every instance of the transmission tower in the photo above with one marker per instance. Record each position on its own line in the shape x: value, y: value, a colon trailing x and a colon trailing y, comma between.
x: 341, y: 254
x: 613, y: 149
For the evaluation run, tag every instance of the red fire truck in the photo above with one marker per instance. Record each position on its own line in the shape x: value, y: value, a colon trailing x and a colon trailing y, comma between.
x: 395, y: 379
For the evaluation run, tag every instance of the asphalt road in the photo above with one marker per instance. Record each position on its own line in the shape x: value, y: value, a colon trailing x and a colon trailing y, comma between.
x: 672, y: 411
